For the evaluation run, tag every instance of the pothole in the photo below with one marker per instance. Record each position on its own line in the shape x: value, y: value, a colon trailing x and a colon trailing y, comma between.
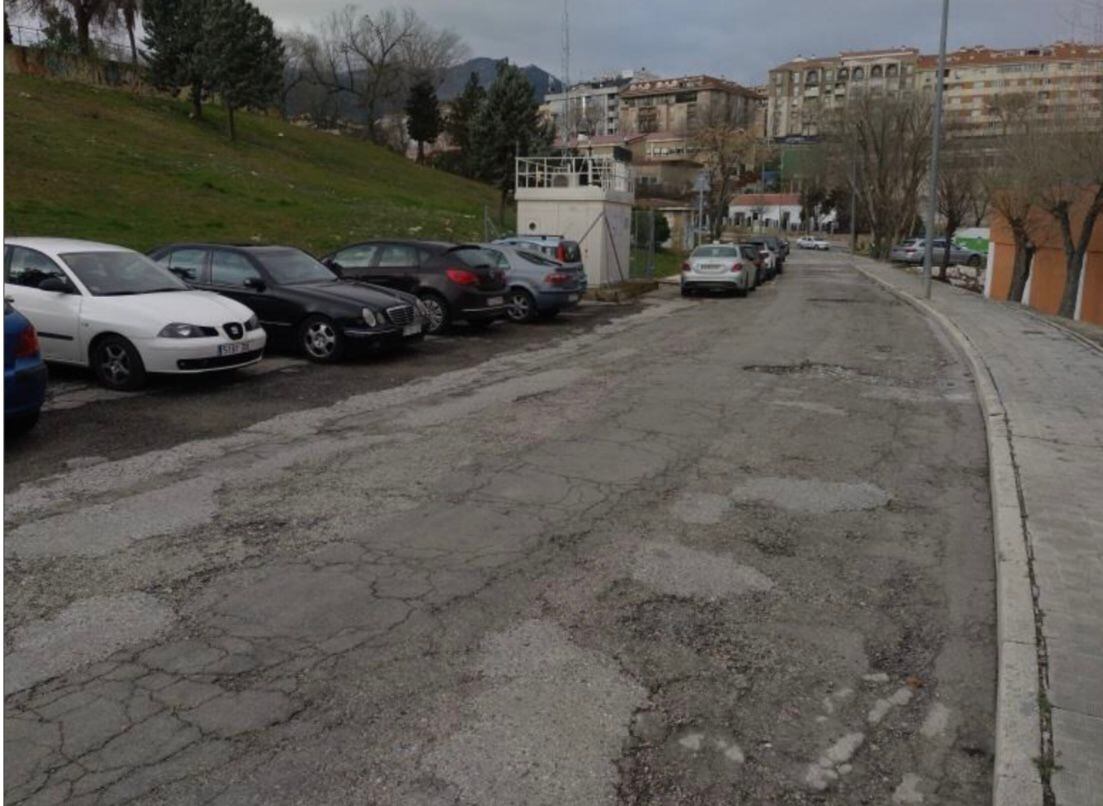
x: 810, y: 495
x: 680, y: 571
x: 815, y: 369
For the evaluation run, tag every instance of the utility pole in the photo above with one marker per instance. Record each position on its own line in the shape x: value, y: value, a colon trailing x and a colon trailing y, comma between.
x: 853, y: 202
x: 936, y: 146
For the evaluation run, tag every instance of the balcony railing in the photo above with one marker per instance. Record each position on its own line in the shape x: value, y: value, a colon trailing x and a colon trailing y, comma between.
x: 605, y: 173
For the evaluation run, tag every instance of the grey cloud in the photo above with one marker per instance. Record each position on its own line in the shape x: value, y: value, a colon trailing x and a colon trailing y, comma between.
x: 740, y: 40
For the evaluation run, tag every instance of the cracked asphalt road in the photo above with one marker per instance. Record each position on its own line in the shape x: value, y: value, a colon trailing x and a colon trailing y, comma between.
x: 710, y: 551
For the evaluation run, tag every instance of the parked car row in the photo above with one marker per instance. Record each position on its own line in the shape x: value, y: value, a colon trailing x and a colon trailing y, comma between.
x: 190, y: 308
x: 733, y: 267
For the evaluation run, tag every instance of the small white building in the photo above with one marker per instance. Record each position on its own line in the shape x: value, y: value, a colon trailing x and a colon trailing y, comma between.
x: 584, y: 199
x: 761, y: 211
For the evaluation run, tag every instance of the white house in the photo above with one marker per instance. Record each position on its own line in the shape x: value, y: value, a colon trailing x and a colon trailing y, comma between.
x: 775, y: 211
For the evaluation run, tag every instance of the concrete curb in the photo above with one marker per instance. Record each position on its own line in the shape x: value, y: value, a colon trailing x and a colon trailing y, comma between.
x: 1016, y: 779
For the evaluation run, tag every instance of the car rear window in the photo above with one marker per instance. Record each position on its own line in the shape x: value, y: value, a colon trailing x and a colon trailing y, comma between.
x: 571, y: 252
x: 471, y: 256
x: 715, y: 251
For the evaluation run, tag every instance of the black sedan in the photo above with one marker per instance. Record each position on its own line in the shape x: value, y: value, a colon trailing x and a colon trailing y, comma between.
x: 299, y: 302
x: 456, y: 282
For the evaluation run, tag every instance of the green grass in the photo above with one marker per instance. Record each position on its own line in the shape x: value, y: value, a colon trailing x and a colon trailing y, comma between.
x: 668, y: 263
x: 108, y: 165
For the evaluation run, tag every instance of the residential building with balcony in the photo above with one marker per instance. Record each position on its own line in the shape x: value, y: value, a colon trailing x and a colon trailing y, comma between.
x: 678, y: 104
x: 1064, y: 81
x: 592, y: 107
x: 801, y: 91
x: 1062, y: 78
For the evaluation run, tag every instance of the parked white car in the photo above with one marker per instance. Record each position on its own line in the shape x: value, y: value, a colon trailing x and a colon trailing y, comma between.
x: 808, y: 242
x: 720, y: 267
x: 118, y: 312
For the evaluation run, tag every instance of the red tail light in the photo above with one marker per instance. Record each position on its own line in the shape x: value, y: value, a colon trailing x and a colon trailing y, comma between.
x: 685, y: 266
x: 737, y: 267
x: 561, y: 253
x: 462, y: 276
x: 26, y: 345
x: 558, y: 278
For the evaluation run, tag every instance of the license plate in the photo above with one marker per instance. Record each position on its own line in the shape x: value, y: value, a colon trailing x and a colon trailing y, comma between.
x: 411, y: 330
x: 490, y: 303
x: 572, y: 298
x: 232, y: 349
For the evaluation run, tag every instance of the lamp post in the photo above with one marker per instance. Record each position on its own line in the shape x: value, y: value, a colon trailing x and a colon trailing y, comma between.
x: 936, y: 147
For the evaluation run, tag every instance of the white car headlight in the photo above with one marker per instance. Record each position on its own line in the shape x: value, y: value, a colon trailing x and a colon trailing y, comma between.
x: 370, y: 317
x: 252, y: 323
x: 182, y: 330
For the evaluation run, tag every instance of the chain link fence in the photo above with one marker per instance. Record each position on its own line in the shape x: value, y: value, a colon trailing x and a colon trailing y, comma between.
x: 642, y: 260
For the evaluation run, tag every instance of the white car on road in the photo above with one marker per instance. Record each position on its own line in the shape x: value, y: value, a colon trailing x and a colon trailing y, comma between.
x: 808, y: 242
x: 116, y: 311
x: 720, y: 267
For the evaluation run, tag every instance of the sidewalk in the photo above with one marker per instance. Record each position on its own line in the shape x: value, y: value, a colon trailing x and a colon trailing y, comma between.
x: 1050, y: 386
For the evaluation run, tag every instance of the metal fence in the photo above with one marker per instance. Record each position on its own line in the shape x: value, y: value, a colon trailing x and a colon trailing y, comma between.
x: 106, y: 49
x: 642, y: 256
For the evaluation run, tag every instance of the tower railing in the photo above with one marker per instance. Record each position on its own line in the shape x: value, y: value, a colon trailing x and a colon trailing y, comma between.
x: 603, y: 172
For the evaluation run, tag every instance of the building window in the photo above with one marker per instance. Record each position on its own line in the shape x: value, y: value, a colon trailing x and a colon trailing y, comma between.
x: 891, y: 71
x: 812, y: 78
x: 859, y: 74
x: 876, y: 72
x: 844, y: 74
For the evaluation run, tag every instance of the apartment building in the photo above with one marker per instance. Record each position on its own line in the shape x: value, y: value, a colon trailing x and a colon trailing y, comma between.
x: 1063, y: 77
x: 678, y: 104
x: 801, y: 91
x: 1064, y: 80
x: 592, y: 107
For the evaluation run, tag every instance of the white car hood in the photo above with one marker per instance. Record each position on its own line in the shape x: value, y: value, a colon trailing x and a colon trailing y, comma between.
x: 143, y: 315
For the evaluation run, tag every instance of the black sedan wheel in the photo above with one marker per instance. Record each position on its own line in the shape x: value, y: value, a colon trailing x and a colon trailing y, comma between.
x: 321, y: 340
x: 117, y: 364
x: 439, y: 314
x: 522, y: 307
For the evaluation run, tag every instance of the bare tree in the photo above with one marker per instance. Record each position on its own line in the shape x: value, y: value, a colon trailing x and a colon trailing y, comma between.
x: 1068, y: 173
x: 959, y: 187
x: 727, y: 149
x: 374, y: 58
x: 887, y: 140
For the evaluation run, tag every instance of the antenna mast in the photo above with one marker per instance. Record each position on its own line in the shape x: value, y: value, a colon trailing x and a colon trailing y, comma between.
x: 566, y: 71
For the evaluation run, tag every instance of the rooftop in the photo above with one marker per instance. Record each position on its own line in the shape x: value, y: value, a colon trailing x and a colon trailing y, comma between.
x: 663, y: 86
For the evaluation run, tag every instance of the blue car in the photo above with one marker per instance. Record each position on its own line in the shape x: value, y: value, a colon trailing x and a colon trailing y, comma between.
x: 538, y: 285
x: 24, y: 372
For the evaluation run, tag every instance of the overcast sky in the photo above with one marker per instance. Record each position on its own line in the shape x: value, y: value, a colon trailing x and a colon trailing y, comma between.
x: 739, y: 39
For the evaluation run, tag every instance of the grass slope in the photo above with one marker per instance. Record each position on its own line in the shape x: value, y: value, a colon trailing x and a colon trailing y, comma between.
x: 107, y: 165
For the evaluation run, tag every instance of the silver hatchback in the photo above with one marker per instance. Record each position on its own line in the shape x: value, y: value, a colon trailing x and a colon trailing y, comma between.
x: 719, y: 267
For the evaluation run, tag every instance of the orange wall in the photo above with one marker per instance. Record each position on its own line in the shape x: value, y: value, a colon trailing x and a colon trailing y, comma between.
x: 1047, y: 281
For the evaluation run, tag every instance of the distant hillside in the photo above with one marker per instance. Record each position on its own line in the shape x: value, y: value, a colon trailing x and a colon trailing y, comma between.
x: 542, y: 81
x: 90, y: 162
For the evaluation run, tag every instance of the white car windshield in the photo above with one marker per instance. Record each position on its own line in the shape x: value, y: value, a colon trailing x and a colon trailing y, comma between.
x: 115, y: 274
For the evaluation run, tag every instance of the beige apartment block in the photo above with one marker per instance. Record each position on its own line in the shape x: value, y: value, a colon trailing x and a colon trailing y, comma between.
x: 678, y: 104
x: 1062, y: 79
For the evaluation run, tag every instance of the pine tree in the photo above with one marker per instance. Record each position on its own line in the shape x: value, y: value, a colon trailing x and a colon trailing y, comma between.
x: 242, y: 56
x: 465, y: 109
x: 423, y: 121
x: 173, y: 33
x: 508, y: 125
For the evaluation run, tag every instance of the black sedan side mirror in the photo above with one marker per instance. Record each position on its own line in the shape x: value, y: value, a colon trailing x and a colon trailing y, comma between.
x: 254, y: 283
x: 332, y: 265
x: 58, y: 284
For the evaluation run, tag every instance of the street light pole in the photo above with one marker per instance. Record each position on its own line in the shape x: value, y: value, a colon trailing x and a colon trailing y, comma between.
x: 936, y: 147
